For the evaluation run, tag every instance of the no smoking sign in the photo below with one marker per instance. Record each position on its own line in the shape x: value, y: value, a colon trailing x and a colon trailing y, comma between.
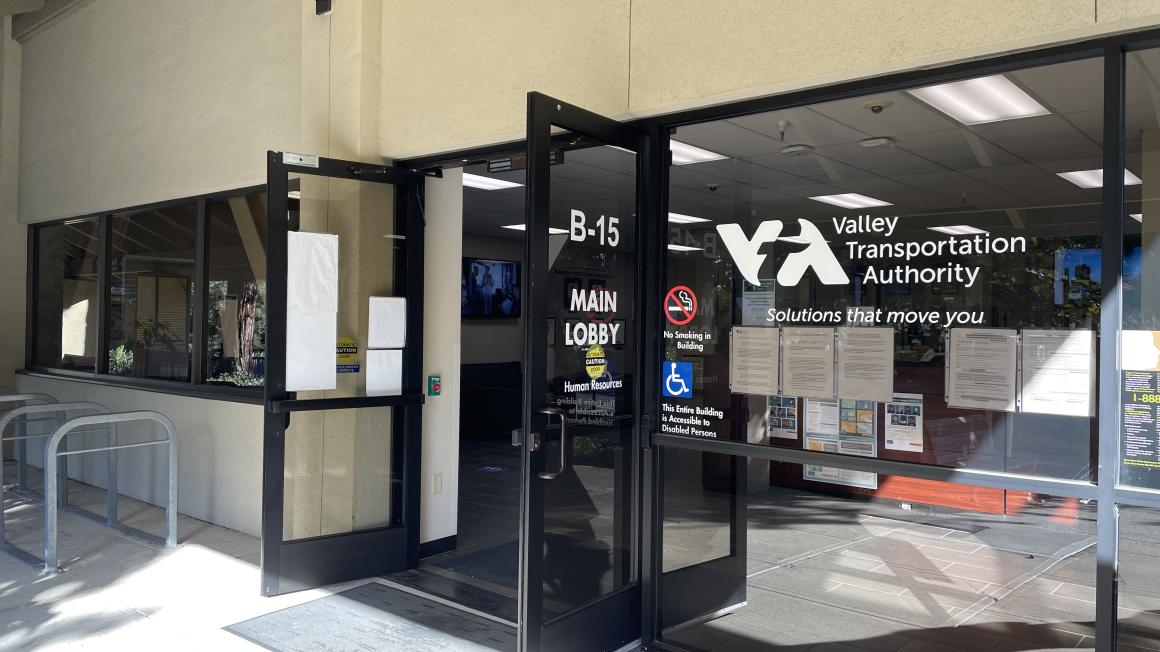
x: 680, y: 305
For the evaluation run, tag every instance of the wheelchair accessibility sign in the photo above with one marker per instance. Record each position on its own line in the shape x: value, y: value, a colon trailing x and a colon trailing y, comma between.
x: 677, y: 379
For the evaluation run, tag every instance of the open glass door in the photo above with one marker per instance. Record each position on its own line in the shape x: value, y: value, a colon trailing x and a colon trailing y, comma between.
x: 580, y: 503
x: 343, y: 362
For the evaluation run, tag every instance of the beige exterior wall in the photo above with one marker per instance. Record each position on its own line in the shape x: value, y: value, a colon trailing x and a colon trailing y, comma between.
x: 126, y: 102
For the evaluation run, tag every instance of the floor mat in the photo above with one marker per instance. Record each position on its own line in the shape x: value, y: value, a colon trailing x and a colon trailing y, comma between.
x: 497, y: 564
x: 374, y: 617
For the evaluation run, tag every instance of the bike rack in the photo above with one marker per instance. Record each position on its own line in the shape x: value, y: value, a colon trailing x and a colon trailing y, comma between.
x: 51, y: 455
x: 22, y: 412
x: 21, y: 451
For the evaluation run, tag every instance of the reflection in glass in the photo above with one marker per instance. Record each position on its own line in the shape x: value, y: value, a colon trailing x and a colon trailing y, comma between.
x: 67, y: 295
x: 236, y: 309
x: 151, y: 293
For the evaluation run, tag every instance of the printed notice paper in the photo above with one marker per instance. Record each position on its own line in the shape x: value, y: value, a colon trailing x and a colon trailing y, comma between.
x: 981, y: 369
x: 753, y: 360
x: 866, y: 363
x: 1057, y: 372
x: 311, y: 310
x: 904, y: 423
x: 807, y: 362
x: 1140, y: 405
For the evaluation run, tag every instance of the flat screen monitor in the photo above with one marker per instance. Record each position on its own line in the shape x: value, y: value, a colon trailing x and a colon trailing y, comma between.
x: 490, y: 289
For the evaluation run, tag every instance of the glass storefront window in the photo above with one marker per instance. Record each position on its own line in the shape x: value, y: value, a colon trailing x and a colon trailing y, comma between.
x: 1140, y: 340
x: 932, y: 260
x: 67, y: 295
x: 236, y: 310
x: 151, y: 293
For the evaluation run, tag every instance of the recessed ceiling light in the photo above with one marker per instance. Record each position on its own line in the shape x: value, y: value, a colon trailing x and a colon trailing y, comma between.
x: 678, y: 247
x: 1095, y: 178
x: 795, y: 150
x: 294, y: 194
x: 981, y: 100
x: 1139, y: 217
x: 685, y: 154
x: 522, y: 227
x: 677, y: 218
x: 851, y: 200
x: 961, y: 229
x: 873, y: 143
x: 487, y: 183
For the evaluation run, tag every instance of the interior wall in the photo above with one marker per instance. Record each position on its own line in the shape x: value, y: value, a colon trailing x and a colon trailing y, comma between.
x: 493, y: 340
x: 136, y: 101
x: 441, y: 356
x: 13, y: 235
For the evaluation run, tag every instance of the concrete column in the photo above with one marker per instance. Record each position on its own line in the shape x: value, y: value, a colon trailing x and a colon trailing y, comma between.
x: 13, y: 234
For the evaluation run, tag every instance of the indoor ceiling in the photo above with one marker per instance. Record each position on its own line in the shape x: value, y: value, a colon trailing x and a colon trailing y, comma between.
x: 934, y: 170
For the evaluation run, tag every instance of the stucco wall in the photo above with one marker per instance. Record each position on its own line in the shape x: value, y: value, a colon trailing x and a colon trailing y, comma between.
x: 126, y: 102
x: 219, y: 452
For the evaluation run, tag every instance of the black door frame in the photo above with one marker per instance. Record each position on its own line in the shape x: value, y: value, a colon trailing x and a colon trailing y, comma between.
x: 614, y: 616
x: 306, y: 563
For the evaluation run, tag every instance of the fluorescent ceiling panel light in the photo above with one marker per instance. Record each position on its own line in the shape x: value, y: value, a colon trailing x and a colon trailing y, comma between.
x: 685, y: 154
x: 487, y: 183
x: 795, y: 150
x: 1139, y: 217
x: 521, y: 227
x: 1095, y: 178
x: 981, y: 100
x: 678, y: 218
x: 677, y: 247
x: 797, y: 239
x: 851, y: 200
x: 961, y: 229
x: 294, y: 194
x: 873, y: 143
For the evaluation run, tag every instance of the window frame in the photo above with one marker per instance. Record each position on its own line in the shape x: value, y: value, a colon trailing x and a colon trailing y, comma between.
x: 196, y: 386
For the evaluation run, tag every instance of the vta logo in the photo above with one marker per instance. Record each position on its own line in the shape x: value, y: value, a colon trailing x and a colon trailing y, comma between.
x: 746, y: 253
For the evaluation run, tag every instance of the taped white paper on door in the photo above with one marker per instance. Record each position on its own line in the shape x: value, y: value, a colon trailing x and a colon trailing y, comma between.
x: 310, y: 338
x: 384, y: 372
x: 387, y: 328
x: 311, y: 311
x: 312, y: 272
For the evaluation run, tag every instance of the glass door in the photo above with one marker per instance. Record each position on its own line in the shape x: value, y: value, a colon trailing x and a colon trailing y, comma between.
x: 580, y: 503
x: 343, y: 361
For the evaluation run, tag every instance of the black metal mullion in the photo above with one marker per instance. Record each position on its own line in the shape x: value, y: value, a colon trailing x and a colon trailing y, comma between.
x: 105, y: 298
x: 32, y: 281
x: 199, y: 350
x: 1111, y: 313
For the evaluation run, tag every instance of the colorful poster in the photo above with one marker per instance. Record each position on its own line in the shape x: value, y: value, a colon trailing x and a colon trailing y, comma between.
x: 1140, y: 408
x: 845, y: 427
x: 756, y: 301
x: 904, y: 423
x: 783, y: 417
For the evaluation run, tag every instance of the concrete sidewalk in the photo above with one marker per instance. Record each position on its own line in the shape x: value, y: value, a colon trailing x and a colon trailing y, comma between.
x: 118, y: 593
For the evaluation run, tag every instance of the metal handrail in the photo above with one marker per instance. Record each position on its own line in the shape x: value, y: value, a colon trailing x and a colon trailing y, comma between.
x: 51, y: 455
x: 62, y: 479
x: 21, y: 451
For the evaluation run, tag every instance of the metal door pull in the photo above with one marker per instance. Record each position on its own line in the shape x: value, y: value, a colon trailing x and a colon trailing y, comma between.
x: 563, y: 443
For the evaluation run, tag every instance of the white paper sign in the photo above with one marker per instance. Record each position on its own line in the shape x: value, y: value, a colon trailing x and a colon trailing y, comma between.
x: 756, y: 300
x: 753, y: 360
x: 981, y: 369
x: 387, y: 323
x: 311, y: 311
x: 807, y: 362
x: 866, y: 363
x: 384, y: 372
x: 904, y: 423
x: 1058, y: 372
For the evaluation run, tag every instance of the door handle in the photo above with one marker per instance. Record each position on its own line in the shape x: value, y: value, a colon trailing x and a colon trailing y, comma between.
x: 563, y: 443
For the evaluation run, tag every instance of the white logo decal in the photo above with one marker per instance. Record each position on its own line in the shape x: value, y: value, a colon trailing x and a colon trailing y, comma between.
x: 816, y: 255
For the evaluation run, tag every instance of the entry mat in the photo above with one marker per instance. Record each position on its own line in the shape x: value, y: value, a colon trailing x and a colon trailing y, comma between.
x: 374, y: 617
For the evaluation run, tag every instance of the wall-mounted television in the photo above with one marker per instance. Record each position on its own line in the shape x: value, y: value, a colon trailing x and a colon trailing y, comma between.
x: 490, y: 289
